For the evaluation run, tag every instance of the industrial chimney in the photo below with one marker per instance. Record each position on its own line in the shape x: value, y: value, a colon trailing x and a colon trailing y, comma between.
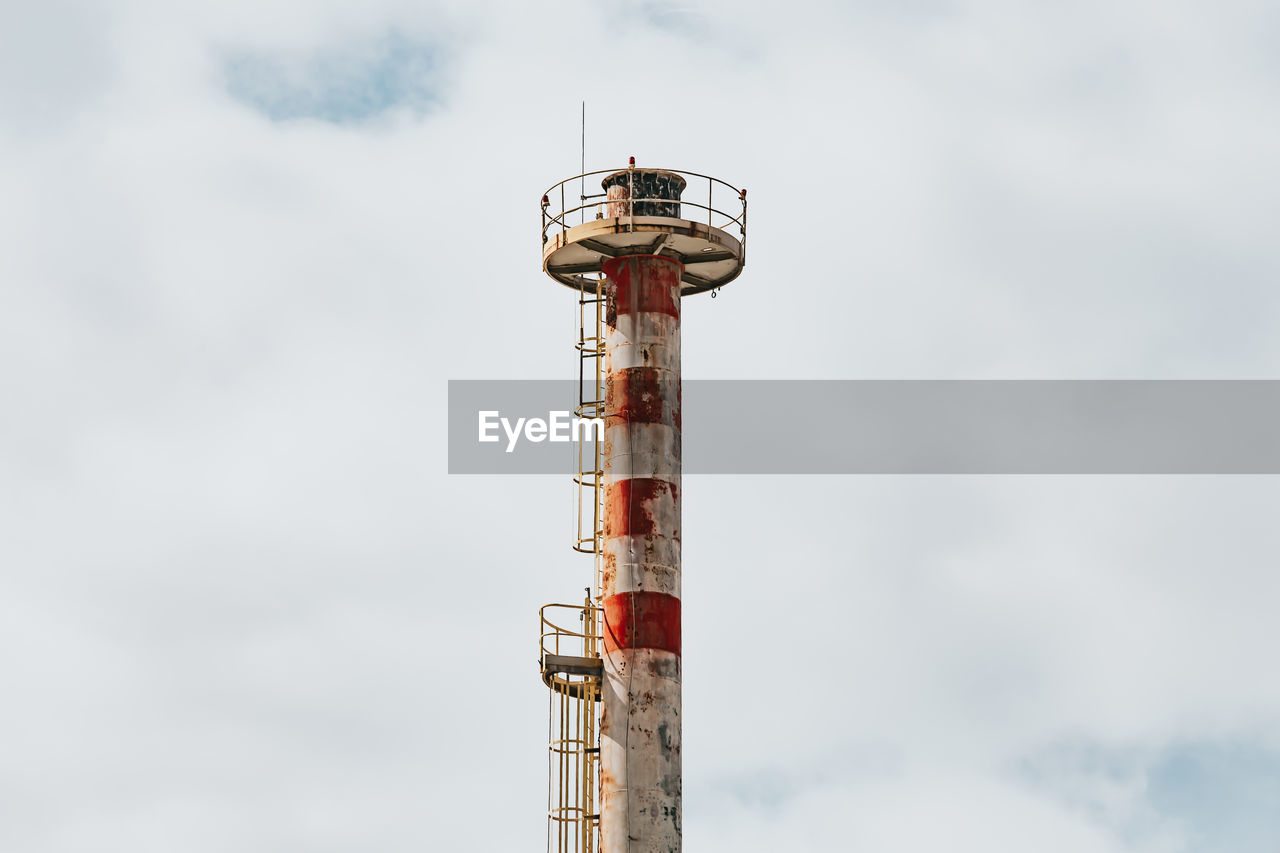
x: 613, y: 663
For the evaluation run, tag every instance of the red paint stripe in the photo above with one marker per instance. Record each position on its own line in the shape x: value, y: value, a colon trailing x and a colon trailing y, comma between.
x: 643, y: 283
x: 642, y: 620
x: 628, y: 507
x: 666, y: 259
x: 642, y: 395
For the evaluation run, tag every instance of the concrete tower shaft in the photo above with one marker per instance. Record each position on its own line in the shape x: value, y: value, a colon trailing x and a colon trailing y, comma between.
x: 640, y: 768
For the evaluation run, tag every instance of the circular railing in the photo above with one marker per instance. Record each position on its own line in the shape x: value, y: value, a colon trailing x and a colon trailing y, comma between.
x: 704, y: 199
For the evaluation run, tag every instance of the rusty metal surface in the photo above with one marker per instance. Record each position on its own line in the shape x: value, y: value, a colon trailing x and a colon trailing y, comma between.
x: 712, y: 257
x: 571, y: 665
x: 640, y: 757
x: 656, y: 192
x: 640, y: 772
x: 695, y: 219
x: 649, y: 257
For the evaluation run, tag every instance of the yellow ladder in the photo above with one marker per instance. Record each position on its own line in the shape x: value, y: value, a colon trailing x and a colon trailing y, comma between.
x: 572, y: 668
x: 569, y: 656
x: 591, y: 401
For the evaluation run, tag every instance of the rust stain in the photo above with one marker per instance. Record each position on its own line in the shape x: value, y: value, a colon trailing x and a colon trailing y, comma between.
x: 609, y: 571
x: 641, y: 627
x: 629, y: 508
x: 644, y: 283
x: 643, y: 395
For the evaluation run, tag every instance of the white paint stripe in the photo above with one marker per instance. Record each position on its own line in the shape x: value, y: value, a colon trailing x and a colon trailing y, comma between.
x: 642, y: 564
x: 661, y: 356
x: 642, y: 450
x: 640, y: 751
x: 647, y: 339
x: 644, y: 327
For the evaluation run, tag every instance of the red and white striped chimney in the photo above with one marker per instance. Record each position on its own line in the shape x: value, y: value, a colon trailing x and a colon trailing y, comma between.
x: 650, y: 256
x: 640, y: 777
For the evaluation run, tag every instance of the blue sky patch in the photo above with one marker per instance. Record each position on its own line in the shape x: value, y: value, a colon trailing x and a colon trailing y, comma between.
x: 349, y: 84
x: 1214, y: 795
x: 1228, y: 794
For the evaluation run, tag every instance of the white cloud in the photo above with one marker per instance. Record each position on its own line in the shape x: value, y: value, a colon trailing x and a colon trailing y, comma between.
x: 245, y: 607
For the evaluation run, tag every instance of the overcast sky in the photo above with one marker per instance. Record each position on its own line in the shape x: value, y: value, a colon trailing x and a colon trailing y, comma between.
x: 243, y: 246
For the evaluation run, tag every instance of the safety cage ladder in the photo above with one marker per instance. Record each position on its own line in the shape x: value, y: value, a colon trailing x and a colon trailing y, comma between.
x: 572, y: 669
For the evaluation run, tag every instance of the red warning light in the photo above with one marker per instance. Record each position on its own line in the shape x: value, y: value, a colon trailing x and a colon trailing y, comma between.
x: 631, y: 161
